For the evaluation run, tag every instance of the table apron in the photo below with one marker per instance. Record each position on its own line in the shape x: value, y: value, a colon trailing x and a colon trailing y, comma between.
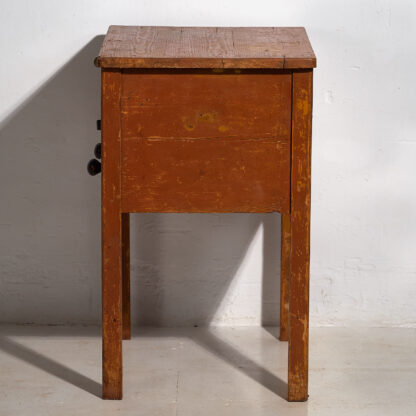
x: 203, y: 141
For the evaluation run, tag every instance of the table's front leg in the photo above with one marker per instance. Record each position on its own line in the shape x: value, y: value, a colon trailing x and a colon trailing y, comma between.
x: 300, y: 231
x: 111, y: 236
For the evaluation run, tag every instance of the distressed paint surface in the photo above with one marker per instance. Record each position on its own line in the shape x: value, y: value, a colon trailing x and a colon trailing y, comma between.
x: 205, y: 175
x: 206, y: 142
x: 300, y: 236
x: 206, y: 104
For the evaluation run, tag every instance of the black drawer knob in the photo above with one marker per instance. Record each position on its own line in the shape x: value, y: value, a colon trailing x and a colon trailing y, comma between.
x: 94, y: 167
x: 98, y: 124
x: 97, y: 150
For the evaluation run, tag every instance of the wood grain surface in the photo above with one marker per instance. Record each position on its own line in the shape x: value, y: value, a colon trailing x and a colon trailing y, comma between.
x: 111, y: 234
x: 300, y: 235
x: 206, y: 47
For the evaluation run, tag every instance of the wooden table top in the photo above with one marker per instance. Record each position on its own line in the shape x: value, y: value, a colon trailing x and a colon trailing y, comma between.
x: 206, y: 47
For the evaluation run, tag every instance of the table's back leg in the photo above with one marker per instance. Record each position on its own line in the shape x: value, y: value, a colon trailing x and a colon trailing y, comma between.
x: 111, y: 236
x: 300, y: 231
x: 284, y: 277
x: 125, y: 235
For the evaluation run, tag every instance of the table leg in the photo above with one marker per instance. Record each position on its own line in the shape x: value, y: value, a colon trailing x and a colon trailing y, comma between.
x: 284, y: 278
x: 111, y: 236
x: 125, y: 231
x: 300, y: 230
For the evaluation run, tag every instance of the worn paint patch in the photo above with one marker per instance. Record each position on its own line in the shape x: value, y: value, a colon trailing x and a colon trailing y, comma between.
x: 205, y: 117
x: 303, y: 104
x: 188, y: 126
x: 209, y: 117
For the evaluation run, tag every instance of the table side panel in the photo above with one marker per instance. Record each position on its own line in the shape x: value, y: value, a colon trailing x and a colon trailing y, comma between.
x: 206, y: 141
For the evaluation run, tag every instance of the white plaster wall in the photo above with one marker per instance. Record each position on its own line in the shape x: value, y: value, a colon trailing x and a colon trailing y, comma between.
x: 201, y: 269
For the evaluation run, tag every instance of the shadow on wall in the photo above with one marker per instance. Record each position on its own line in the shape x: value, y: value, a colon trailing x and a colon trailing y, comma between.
x: 183, y: 266
x: 49, y: 218
x: 50, y: 260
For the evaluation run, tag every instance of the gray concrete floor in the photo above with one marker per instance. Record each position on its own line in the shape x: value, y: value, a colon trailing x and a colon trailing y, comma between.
x: 217, y: 371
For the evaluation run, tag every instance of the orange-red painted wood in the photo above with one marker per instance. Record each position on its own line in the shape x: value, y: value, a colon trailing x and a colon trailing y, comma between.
x: 206, y: 142
x: 205, y: 175
x: 206, y: 104
x: 111, y: 235
x: 300, y: 231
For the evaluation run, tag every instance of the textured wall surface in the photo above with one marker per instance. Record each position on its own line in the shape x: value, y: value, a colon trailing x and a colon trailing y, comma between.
x: 201, y: 269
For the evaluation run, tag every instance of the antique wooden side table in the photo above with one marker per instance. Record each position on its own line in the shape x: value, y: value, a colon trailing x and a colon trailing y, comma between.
x: 205, y: 119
